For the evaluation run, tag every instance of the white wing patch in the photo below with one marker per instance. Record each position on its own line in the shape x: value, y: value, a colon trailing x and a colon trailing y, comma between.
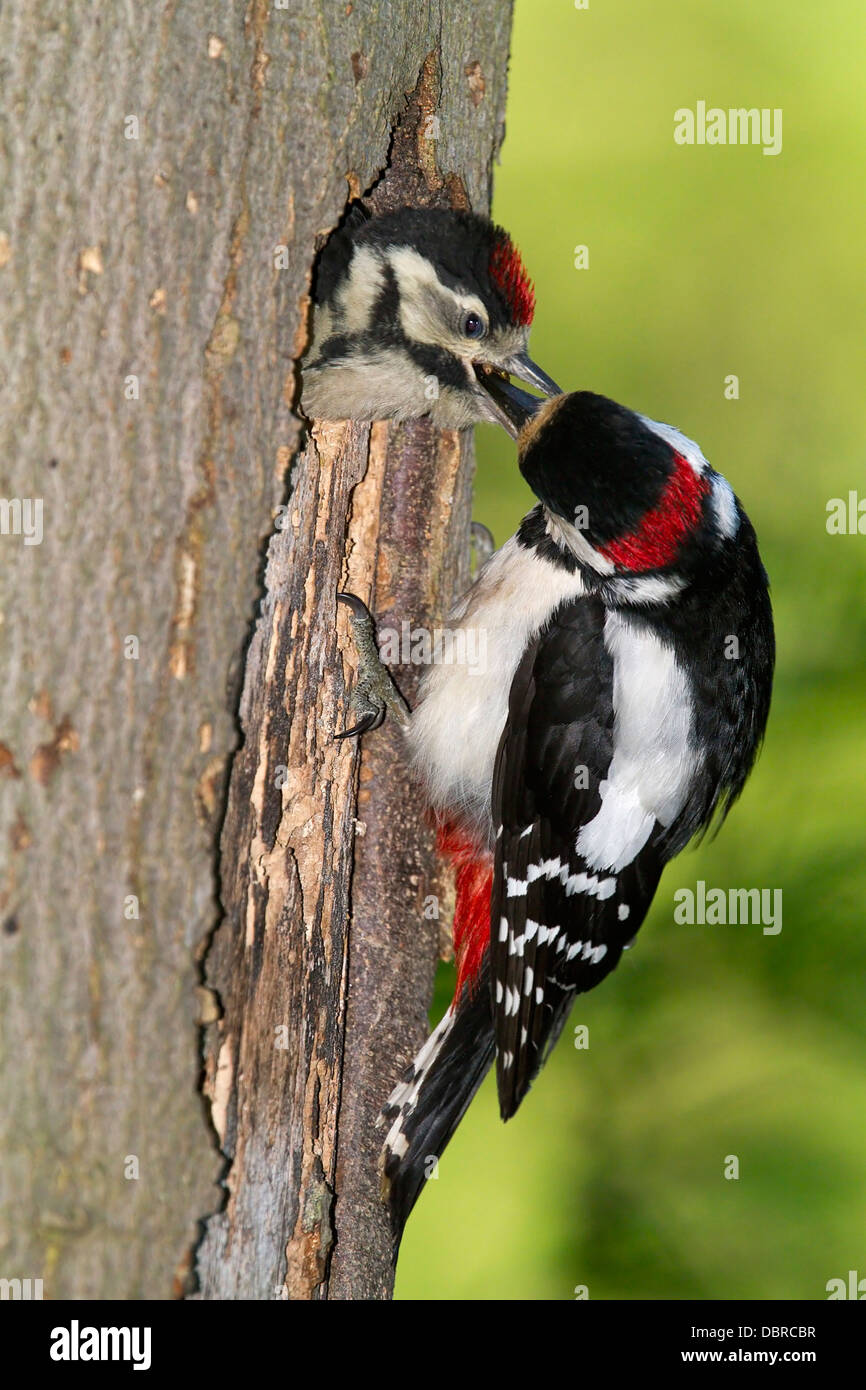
x: 654, y: 760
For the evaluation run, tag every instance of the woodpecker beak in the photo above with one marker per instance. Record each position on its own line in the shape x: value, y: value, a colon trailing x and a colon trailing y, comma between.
x: 509, y: 406
x: 523, y: 367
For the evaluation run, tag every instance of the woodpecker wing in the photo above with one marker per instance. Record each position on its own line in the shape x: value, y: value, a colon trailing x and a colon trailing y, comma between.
x: 560, y: 919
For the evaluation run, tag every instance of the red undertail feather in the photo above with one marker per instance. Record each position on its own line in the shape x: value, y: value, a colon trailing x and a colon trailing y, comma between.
x: 509, y: 276
x: 474, y: 873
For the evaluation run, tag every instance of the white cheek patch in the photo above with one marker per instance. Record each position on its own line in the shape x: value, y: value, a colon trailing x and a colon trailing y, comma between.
x: 430, y: 310
x: 653, y: 761
x: 358, y: 295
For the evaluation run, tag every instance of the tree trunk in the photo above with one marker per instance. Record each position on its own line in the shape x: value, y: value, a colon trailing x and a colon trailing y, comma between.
x: 167, y: 178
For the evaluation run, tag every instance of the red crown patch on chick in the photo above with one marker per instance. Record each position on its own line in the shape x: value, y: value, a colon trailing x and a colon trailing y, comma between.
x: 378, y: 359
x: 509, y: 275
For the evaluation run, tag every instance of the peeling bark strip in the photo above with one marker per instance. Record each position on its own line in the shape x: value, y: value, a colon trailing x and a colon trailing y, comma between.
x: 297, y: 1119
x: 146, y: 397
x: 278, y: 961
x: 393, y: 948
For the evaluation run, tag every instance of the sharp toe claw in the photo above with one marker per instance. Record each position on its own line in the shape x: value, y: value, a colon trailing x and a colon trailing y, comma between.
x: 364, y: 726
x: 358, y: 607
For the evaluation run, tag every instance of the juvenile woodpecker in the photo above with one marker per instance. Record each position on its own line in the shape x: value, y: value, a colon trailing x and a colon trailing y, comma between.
x: 415, y: 312
x: 629, y: 662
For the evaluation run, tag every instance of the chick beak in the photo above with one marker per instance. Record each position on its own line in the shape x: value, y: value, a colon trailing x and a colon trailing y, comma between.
x: 522, y: 366
x: 509, y: 406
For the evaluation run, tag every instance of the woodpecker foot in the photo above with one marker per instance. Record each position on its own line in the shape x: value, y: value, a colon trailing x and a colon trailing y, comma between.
x: 375, y: 692
x: 482, y: 541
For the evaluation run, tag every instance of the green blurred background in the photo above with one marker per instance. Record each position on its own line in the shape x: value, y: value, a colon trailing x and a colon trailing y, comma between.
x: 707, y: 1041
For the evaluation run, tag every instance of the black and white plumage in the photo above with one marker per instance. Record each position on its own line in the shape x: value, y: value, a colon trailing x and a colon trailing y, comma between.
x: 414, y: 311
x: 630, y: 654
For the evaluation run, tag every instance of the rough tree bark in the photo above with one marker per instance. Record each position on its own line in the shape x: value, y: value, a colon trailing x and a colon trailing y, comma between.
x: 151, y: 168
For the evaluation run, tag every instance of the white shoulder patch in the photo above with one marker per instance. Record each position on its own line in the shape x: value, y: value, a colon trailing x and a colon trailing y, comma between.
x: 725, y: 507
x: 653, y: 759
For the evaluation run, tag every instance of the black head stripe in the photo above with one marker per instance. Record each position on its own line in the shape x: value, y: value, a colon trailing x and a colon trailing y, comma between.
x: 459, y: 245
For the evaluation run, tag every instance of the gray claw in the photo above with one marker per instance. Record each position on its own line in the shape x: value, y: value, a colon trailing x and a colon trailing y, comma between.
x: 375, y: 692
x: 372, y: 713
x: 359, y: 608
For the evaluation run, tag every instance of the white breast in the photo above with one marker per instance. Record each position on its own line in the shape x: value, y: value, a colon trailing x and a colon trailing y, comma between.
x: 455, y: 729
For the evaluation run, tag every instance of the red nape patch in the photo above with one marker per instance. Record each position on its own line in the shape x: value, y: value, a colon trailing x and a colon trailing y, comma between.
x: 509, y: 276
x: 662, y: 531
x: 474, y: 870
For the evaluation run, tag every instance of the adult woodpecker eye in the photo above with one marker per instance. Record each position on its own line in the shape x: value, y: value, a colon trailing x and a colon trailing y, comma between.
x: 473, y: 326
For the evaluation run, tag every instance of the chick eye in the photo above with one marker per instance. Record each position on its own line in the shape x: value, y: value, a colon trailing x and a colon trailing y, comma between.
x: 473, y: 326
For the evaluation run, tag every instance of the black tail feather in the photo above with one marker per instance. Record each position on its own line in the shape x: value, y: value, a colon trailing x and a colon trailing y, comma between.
x: 428, y: 1105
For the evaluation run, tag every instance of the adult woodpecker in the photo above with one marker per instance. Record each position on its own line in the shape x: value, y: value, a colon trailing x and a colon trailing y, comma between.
x: 415, y: 312
x: 630, y: 650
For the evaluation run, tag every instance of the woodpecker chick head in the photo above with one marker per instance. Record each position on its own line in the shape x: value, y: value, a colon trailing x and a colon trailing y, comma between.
x: 626, y: 497
x: 416, y: 313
